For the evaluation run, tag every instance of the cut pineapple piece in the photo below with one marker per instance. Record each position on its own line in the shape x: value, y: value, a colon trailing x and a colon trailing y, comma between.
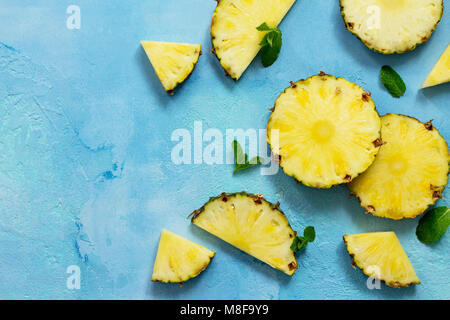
x: 251, y: 224
x: 440, y: 72
x: 325, y: 130
x: 173, y: 62
x: 392, y: 26
x: 233, y: 30
x: 179, y: 259
x: 380, y: 255
x: 409, y: 173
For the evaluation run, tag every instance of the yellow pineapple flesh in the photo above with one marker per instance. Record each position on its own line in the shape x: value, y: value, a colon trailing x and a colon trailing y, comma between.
x: 179, y: 259
x: 233, y: 30
x: 409, y: 173
x: 440, y: 72
x: 392, y: 26
x: 380, y: 255
x: 251, y: 224
x: 325, y: 130
x: 172, y: 62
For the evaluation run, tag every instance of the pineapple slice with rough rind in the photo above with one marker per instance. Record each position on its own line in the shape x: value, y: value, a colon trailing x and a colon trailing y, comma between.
x: 440, y: 72
x: 325, y: 130
x: 172, y: 62
x: 380, y: 255
x: 233, y: 30
x: 253, y: 225
x: 409, y: 173
x: 392, y: 26
x: 179, y: 259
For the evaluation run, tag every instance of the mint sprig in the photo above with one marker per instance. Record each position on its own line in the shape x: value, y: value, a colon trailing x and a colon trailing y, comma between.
x: 241, y: 159
x: 392, y: 81
x: 270, y: 44
x: 299, y: 242
x: 433, y: 225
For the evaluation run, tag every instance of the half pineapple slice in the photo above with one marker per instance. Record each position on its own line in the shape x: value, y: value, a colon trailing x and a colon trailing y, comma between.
x: 392, y: 26
x: 325, y: 130
x: 173, y: 62
x: 409, y: 173
x: 179, y: 259
x: 233, y: 30
x: 440, y: 72
x: 380, y: 255
x: 251, y: 224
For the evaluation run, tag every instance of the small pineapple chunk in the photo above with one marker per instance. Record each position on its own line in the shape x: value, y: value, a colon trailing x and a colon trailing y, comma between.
x: 380, y: 255
x: 173, y: 62
x: 251, y: 224
x: 325, y: 130
x: 179, y: 259
x: 392, y: 26
x: 409, y: 173
x: 233, y: 30
x: 440, y: 72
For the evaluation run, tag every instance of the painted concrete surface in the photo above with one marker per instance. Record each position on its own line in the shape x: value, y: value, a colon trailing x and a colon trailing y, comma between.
x: 86, y: 176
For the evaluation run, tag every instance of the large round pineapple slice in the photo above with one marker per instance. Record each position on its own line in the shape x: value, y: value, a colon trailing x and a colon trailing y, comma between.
x: 380, y: 255
x: 233, y: 30
x: 179, y: 259
x: 325, y: 130
x: 392, y: 26
x: 173, y: 62
x: 251, y: 224
x: 409, y: 173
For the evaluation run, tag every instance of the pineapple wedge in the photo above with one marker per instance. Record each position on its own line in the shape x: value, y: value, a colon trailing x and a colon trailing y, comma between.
x: 173, y: 62
x: 440, y: 72
x: 251, y: 224
x: 179, y: 259
x: 233, y: 30
x: 409, y: 173
x: 325, y: 130
x: 380, y: 255
x: 392, y: 26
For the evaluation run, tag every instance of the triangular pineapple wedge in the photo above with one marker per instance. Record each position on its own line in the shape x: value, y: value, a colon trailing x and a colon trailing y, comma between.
x: 380, y: 255
x: 251, y: 224
x: 179, y: 259
x: 440, y: 72
x: 173, y: 62
x: 233, y: 30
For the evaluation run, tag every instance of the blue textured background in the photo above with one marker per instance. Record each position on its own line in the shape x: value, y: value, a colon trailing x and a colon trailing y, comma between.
x: 85, y: 172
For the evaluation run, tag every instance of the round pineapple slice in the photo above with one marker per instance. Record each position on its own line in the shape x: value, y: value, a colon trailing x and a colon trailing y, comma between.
x: 179, y: 259
x: 409, y: 173
x: 233, y: 30
x: 251, y: 224
x: 392, y: 26
x: 380, y: 255
x: 325, y: 130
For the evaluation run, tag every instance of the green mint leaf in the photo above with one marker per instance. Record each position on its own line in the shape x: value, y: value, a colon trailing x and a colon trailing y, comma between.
x: 309, y: 233
x: 270, y: 44
x: 239, y: 156
x: 392, y: 81
x: 433, y: 225
x: 241, y: 159
x: 300, y: 243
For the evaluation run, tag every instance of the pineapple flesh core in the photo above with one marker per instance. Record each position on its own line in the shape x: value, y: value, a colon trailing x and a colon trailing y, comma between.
x: 179, y: 259
x: 173, y: 62
x: 409, y: 173
x: 328, y: 131
x: 440, y: 72
x: 233, y: 30
x: 253, y: 225
x: 392, y: 26
x: 380, y: 255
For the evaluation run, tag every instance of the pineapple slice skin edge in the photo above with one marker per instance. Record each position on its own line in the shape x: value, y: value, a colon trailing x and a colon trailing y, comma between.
x: 389, y: 51
x: 196, y: 214
x: 360, y: 264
